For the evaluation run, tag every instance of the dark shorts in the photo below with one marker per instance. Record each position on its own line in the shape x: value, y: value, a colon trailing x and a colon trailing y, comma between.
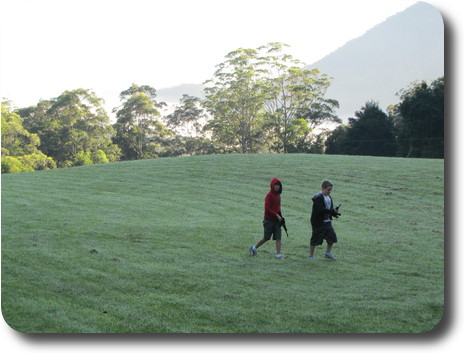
x: 325, y: 232
x: 270, y: 228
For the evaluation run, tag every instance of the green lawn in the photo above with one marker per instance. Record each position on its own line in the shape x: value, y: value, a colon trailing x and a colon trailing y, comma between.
x: 162, y: 246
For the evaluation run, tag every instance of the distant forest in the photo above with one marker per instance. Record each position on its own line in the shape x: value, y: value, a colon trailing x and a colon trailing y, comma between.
x: 258, y: 101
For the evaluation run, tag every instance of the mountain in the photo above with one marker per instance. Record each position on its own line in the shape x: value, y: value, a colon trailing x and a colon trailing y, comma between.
x: 406, y: 47
x: 172, y: 95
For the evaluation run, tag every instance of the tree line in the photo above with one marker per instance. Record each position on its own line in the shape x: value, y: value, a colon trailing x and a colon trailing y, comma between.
x: 412, y: 128
x: 258, y: 101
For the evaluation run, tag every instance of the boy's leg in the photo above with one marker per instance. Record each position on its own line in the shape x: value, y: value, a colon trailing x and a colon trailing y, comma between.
x: 278, y: 245
x: 265, y: 238
x: 268, y: 230
x: 311, y: 250
x: 329, y: 247
x: 316, y: 239
x: 254, y: 248
x: 278, y: 239
x: 260, y: 242
x: 331, y: 238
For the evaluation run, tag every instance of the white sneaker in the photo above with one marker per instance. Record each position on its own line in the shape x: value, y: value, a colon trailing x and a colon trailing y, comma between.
x: 311, y: 258
x: 279, y: 256
x: 328, y: 255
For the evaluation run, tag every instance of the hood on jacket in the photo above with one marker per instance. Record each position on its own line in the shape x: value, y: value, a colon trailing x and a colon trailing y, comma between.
x: 275, y: 181
x: 319, y: 194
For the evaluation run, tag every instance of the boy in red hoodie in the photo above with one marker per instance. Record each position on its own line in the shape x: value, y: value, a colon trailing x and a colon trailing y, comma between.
x: 272, y: 218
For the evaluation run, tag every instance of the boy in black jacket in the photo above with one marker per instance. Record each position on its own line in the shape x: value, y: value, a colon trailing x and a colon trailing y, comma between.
x: 321, y: 221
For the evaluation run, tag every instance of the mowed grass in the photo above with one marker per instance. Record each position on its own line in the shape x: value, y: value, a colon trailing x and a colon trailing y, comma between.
x: 159, y: 246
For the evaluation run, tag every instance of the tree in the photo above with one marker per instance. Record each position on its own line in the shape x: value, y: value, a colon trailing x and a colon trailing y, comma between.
x: 294, y: 93
x: 335, y: 143
x: 70, y: 124
x: 369, y: 134
x: 420, y: 120
x: 138, y: 130
x: 20, y: 148
x: 300, y: 138
x: 186, y: 117
x: 16, y: 140
x: 259, y: 95
x: 14, y: 165
x: 234, y: 98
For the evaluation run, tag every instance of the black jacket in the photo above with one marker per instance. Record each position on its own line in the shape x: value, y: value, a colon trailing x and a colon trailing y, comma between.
x: 320, y: 211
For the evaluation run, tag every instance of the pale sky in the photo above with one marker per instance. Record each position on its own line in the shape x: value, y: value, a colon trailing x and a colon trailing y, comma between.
x: 49, y: 46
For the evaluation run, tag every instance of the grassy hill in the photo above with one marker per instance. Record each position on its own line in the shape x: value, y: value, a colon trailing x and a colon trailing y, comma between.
x: 162, y: 246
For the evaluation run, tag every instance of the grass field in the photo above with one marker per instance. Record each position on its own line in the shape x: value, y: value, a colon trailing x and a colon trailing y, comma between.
x: 162, y: 246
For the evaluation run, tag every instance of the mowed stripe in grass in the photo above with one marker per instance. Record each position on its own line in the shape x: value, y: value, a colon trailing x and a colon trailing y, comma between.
x: 162, y: 246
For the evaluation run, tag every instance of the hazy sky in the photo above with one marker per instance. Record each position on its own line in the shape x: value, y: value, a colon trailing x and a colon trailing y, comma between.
x: 49, y: 46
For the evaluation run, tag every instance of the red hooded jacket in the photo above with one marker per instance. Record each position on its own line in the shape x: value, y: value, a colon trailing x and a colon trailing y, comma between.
x: 272, y: 201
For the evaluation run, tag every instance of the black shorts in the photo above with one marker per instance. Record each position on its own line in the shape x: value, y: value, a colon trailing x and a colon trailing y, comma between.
x: 326, y: 232
x: 270, y: 228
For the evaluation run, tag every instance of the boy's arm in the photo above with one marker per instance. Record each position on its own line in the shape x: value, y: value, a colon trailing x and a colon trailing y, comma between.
x: 321, y: 208
x: 320, y: 205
